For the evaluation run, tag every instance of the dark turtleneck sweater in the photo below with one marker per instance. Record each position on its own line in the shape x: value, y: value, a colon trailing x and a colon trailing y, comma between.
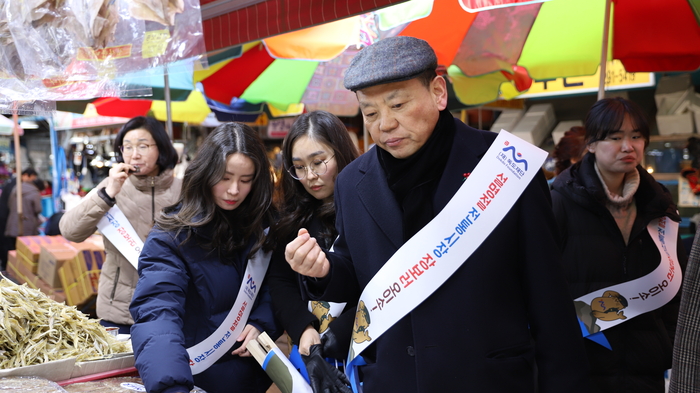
x: 413, y: 180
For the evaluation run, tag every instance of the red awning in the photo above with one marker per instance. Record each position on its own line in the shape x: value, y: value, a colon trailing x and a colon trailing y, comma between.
x: 272, y: 17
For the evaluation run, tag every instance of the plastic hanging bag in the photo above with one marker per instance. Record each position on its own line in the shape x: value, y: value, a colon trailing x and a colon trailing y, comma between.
x: 75, y: 41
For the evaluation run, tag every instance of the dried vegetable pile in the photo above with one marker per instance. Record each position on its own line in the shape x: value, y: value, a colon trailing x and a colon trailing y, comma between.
x: 35, y: 329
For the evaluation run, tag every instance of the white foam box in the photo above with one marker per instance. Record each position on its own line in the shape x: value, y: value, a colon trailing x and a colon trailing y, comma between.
x: 564, y: 126
x: 536, y: 124
x: 507, y: 120
x: 675, y: 124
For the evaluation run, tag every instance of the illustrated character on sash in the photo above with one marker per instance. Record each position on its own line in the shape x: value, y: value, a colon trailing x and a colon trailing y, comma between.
x: 360, y: 333
x: 322, y: 311
x: 609, y: 307
x: 606, y: 308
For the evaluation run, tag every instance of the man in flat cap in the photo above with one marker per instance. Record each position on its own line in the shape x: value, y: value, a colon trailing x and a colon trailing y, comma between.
x: 503, y: 322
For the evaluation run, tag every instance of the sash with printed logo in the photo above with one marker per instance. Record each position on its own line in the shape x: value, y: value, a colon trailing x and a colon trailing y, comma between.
x: 116, y: 227
x: 212, y: 348
x: 611, y: 306
x: 431, y: 256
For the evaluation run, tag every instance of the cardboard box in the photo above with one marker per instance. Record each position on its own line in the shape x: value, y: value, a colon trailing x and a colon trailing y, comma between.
x: 14, y: 268
x: 50, y: 260
x: 12, y: 256
x: 94, y: 242
x: 30, y: 246
x: 28, y: 263
x: 70, y: 287
x: 56, y: 294
x: 90, y: 260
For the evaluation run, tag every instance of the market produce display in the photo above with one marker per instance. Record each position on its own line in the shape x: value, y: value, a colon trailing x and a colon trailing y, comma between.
x: 35, y: 329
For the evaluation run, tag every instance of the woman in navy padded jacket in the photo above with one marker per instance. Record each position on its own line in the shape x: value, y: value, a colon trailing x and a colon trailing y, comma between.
x: 193, y: 263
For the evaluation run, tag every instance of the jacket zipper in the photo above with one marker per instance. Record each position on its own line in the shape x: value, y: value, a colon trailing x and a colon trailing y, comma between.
x: 153, y: 199
x: 114, y: 288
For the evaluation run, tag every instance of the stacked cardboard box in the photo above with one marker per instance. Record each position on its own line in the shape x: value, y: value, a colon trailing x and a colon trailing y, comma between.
x: 51, y: 259
x: 80, y: 275
x: 29, y: 248
x: 66, y: 271
x: 22, y: 274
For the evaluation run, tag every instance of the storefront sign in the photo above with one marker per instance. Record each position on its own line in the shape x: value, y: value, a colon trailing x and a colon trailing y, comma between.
x: 616, y: 78
x: 279, y: 128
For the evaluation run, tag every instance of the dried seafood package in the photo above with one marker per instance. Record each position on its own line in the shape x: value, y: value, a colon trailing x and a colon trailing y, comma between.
x: 35, y: 329
x: 88, y: 39
x: 29, y: 385
x: 161, y: 11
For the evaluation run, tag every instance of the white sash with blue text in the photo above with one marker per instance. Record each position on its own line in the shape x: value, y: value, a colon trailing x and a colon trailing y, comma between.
x: 215, y: 346
x: 431, y: 256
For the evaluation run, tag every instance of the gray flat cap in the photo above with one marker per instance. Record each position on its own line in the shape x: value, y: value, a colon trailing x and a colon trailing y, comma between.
x: 389, y: 60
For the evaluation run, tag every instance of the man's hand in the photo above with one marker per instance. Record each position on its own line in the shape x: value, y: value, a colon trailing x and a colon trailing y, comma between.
x: 305, y: 256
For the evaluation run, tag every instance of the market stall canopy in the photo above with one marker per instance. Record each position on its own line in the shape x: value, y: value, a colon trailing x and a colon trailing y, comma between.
x: 228, y: 23
x: 193, y: 110
x: 257, y: 77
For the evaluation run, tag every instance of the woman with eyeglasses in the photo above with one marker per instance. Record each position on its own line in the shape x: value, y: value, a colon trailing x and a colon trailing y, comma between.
x: 140, y: 184
x: 316, y: 149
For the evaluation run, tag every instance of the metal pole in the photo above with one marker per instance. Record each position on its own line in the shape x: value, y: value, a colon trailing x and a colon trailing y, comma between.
x: 56, y: 189
x: 604, y: 50
x: 18, y: 170
x: 166, y: 92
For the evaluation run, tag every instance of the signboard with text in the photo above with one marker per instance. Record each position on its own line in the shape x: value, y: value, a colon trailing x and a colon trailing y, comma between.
x: 616, y: 78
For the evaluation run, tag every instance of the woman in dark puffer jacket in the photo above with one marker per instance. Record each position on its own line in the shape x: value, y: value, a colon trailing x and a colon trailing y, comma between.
x: 603, y: 205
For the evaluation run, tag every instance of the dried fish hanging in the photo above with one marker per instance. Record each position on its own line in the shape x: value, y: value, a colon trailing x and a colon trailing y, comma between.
x: 37, y: 329
x: 161, y: 11
x: 55, y: 50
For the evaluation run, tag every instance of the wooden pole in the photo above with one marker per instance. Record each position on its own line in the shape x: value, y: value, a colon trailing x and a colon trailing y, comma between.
x: 604, y: 50
x: 18, y: 170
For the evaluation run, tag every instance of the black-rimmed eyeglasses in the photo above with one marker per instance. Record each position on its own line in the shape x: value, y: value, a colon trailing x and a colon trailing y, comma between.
x: 318, y: 167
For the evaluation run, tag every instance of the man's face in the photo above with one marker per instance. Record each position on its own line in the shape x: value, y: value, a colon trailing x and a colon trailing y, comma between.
x: 401, y: 116
x: 28, y: 178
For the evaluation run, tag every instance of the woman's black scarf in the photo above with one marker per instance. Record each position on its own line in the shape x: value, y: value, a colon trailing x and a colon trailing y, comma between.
x: 413, y: 180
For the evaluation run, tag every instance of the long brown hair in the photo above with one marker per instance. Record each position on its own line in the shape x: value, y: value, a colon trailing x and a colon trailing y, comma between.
x: 196, y: 205
x: 297, y: 207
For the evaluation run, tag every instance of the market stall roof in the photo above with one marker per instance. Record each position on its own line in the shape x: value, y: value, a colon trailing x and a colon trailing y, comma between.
x: 233, y: 22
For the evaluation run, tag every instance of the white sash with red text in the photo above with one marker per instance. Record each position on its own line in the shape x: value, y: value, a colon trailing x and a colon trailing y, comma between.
x: 431, y: 256
x: 116, y: 227
x: 611, y: 306
x: 215, y: 346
